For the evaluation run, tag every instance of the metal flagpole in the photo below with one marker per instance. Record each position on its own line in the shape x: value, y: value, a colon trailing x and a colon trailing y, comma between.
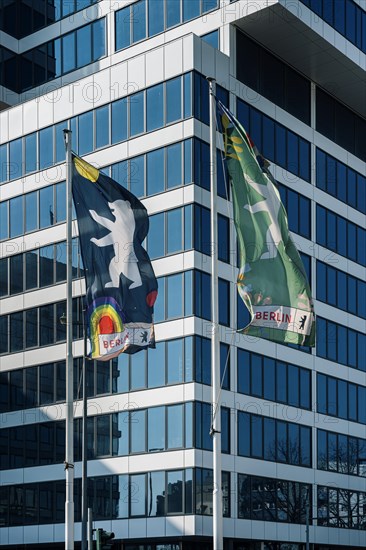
x: 69, y: 459
x: 84, y: 475
x: 215, y: 350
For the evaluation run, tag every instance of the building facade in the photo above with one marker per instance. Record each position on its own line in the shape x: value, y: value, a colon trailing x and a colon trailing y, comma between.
x: 129, y: 79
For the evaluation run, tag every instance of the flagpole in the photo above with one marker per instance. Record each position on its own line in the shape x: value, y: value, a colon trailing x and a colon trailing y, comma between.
x: 215, y: 350
x: 69, y: 458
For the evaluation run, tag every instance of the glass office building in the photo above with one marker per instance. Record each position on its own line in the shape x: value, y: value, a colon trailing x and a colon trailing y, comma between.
x: 128, y: 78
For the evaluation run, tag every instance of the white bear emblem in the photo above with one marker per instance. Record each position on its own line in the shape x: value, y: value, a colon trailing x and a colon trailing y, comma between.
x: 121, y: 237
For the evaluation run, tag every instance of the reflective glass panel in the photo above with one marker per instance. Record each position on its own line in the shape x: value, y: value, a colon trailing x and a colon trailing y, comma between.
x: 15, y: 159
x: 156, y: 429
x: 175, y: 426
x: 155, y: 107
x: 83, y: 41
x: 155, y: 172
x: 99, y: 45
x: 68, y: 53
x: 123, y: 26
x: 138, y: 20
x: 31, y: 211
x: 137, y: 110
x: 156, y: 484
x: 45, y: 148
x: 86, y: 133
x: 46, y: 207
x: 30, y: 153
x: 156, y: 16
x: 173, y: 100
x: 119, y: 120
x: 16, y: 216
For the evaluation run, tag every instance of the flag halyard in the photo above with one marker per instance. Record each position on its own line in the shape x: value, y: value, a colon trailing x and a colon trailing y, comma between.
x: 272, y: 281
x: 121, y: 285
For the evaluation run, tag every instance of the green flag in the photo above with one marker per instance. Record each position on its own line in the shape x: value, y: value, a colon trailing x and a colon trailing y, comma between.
x: 272, y: 281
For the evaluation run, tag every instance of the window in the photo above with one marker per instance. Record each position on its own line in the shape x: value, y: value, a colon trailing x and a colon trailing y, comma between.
x: 298, y: 211
x: 272, y: 499
x: 348, y: 19
x: 212, y: 38
x: 338, y: 507
x: 340, y: 124
x: 273, y: 380
x: 340, y: 235
x: 272, y: 78
x: 146, y: 18
x: 291, y: 151
x: 277, y: 441
x: 340, y: 181
x: 340, y: 290
x: 333, y: 402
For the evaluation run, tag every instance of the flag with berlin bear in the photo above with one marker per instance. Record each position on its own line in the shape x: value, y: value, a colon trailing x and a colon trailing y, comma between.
x: 121, y: 287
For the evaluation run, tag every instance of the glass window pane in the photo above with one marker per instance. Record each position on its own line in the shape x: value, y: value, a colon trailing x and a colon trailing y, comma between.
x: 191, y: 9
x: 60, y: 202
x: 4, y: 279
x: 269, y: 385
x: 31, y: 328
x: 4, y: 228
x: 155, y: 240
x: 174, y: 491
x: 15, y: 159
x: 123, y: 26
x: 68, y: 53
x: 138, y: 20
x: 30, y: 153
x: 59, y: 141
x: 3, y: 162
x: 138, y: 495
x: 138, y: 370
x: 45, y: 148
x: 175, y: 426
x: 31, y: 211
x: 156, y: 366
x: 120, y: 434
x: 138, y: 431
x: 174, y: 361
x: 293, y: 152
x: 47, y: 325
x: 46, y: 264
x: 119, y: 120
x: 174, y: 165
x: 174, y: 230
x: 61, y: 259
x: 46, y: 207
x: 155, y: 172
x: 174, y: 296
x: 172, y: 13
x: 102, y: 126
x: 256, y: 436
x: 173, y: 100
x: 137, y: 176
x: 154, y: 107
x: 156, y: 16
x: 16, y: 216
x: 16, y: 274
x: 137, y: 114
x: 156, y: 429
x: 244, y: 434
x: 212, y: 38
x: 99, y: 39
x: 156, y: 484
x: 85, y: 133
x: 84, y: 51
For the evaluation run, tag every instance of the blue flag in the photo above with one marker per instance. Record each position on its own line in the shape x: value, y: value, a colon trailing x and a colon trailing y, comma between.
x: 121, y: 285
